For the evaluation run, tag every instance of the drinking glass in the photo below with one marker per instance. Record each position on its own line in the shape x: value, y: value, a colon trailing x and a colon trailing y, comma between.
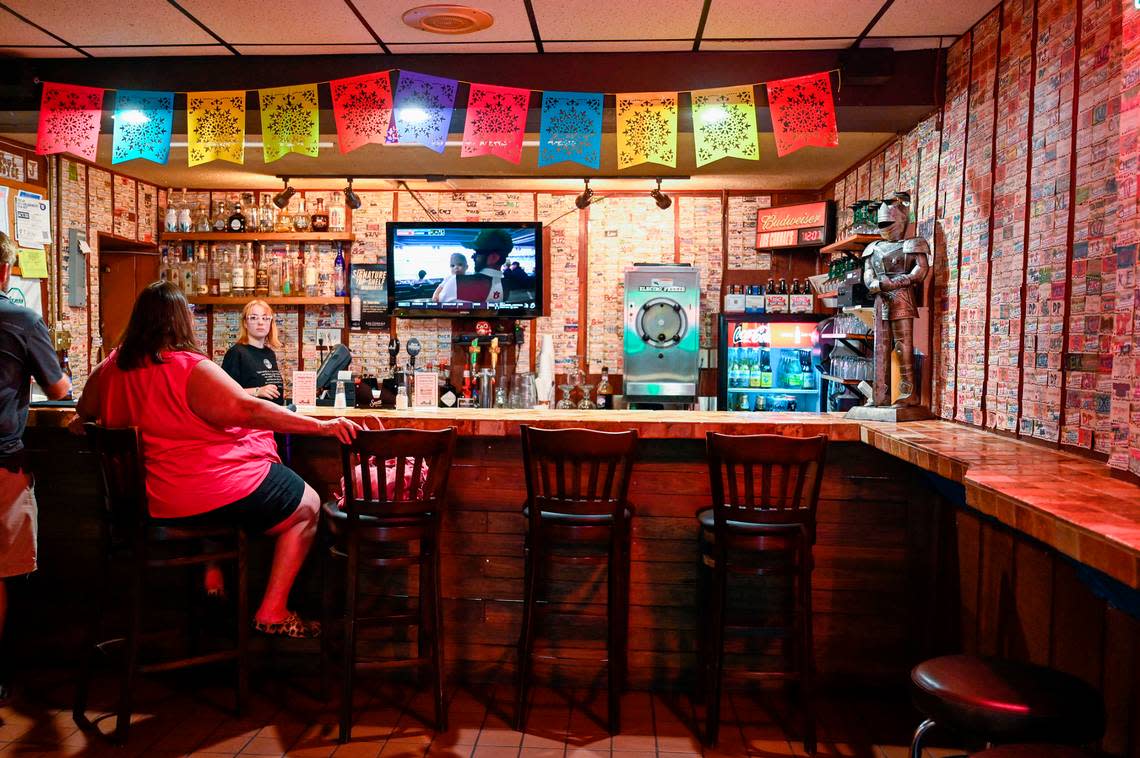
x: 586, y: 404
x: 565, y: 403
x: 524, y: 391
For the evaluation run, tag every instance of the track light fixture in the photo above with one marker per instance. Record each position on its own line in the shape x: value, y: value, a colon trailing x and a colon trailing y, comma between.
x: 587, y: 196
x: 282, y: 198
x: 663, y: 201
x: 351, y: 199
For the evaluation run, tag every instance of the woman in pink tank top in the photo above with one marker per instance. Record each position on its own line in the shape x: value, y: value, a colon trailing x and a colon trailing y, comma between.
x: 207, y: 445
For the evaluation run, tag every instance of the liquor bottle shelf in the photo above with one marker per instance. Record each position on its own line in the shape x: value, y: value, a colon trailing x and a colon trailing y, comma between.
x: 240, y: 301
x: 851, y: 244
x: 258, y: 237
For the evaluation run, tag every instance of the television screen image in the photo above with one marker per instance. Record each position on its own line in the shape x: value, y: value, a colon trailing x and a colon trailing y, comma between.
x: 486, y: 269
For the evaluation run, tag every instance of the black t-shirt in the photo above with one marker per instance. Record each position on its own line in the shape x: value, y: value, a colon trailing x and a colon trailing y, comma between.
x: 254, y: 367
x: 26, y: 352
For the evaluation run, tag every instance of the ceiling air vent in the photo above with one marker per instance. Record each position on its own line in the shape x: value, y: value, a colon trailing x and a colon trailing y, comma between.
x: 448, y: 19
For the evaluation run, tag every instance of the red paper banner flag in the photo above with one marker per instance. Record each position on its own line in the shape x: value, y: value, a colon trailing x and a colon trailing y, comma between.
x: 362, y: 106
x: 803, y: 113
x: 69, y: 120
x: 496, y: 122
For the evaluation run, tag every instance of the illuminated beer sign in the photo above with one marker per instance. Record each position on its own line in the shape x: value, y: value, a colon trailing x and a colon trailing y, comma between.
x: 793, y: 225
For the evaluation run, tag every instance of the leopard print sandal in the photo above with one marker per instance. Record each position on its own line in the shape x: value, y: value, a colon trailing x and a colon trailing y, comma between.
x: 291, y: 626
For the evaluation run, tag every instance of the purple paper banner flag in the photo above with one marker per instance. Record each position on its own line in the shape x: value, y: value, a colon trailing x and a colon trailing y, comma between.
x: 423, y: 107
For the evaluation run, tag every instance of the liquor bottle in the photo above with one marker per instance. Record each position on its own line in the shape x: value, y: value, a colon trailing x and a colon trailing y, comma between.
x: 225, y: 280
x: 807, y: 380
x: 283, y: 220
x: 220, y: 220
x: 189, y: 288
x: 605, y: 391
x: 213, y: 275
x: 338, y: 272
x: 202, y: 271
x: 448, y: 395
x: 793, y: 377
x: 201, y: 218
x: 783, y: 286
x: 170, y: 218
x: 250, y: 272
x: 301, y: 218
x: 235, y: 223
x: 267, y: 217
x: 320, y: 217
x: 311, y: 273
x: 287, y: 273
x: 237, y: 274
x: 261, y: 275
x: 754, y: 376
x: 274, y: 268
x: 742, y: 402
x: 164, y: 266
x: 795, y: 287
x: 337, y: 216
x: 250, y: 212
x: 765, y: 369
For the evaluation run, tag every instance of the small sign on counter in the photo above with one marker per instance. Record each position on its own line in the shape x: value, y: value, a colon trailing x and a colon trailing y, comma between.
x: 426, y: 390
x: 304, y: 388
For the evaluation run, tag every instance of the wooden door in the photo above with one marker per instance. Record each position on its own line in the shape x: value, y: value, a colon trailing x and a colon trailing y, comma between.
x: 122, y: 276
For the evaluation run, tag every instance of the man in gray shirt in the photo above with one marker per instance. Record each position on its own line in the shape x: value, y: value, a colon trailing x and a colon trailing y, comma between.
x: 26, y: 352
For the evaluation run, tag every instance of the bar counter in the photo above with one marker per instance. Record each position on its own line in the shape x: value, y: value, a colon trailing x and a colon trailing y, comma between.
x: 923, y: 527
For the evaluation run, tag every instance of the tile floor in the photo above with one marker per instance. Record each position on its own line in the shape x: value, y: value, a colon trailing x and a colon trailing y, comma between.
x: 285, y: 719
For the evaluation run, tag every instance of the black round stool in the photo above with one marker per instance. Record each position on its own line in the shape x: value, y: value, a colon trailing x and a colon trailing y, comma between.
x: 1004, y: 702
x: 1031, y: 751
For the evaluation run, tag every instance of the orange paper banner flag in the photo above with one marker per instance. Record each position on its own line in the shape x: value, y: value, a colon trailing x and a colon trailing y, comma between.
x: 215, y: 125
x: 647, y: 128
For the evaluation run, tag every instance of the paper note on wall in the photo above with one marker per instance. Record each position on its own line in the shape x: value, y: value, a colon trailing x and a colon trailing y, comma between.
x: 33, y: 221
x: 25, y: 292
x: 5, y: 224
x: 33, y: 263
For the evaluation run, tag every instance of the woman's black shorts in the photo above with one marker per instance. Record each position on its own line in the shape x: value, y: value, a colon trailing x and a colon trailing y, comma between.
x: 273, y: 501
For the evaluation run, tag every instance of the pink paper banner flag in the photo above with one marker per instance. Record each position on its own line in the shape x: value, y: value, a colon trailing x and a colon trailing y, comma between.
x: 69, y: 120
x: 496, y: 122
x: 362, y: 106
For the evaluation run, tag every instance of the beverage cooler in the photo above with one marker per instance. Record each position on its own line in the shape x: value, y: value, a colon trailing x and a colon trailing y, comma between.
x: 765, y: 363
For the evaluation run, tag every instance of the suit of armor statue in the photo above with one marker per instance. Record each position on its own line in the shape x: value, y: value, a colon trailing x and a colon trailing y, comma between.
x: 893, y: 270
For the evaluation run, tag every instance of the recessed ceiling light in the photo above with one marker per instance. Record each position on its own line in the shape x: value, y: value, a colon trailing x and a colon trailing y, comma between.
x: 448, y: 19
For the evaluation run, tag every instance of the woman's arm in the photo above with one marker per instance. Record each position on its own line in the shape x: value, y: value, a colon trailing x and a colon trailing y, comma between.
x: 217, y: 399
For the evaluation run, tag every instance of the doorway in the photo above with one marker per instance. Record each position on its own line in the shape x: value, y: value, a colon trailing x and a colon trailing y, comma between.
x: 122, y: 276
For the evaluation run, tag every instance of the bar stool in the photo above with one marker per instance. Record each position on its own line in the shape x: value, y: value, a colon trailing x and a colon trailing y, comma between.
x: 1004, y: 701
x: 577, y: 484
x: 391, y: 522
x: 765, y: 489
x: 128, y: 531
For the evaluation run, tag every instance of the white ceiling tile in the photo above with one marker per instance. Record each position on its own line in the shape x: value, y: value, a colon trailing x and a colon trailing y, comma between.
x: 617, y: 46
x: 111, y: 22
x: 589, y: 20
x: 461, y: 47
x: 789, y: 18
x: 280, y: 22
x: 386, y: 18
x: 908, y: 43
x: 14, y: 31
x: 921, y: 17
x: 777, y: 44
x: 39, y: 52
x: 145, y: 51
x: 364, y: 48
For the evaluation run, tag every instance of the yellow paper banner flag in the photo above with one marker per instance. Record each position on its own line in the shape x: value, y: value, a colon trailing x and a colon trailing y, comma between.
x: 647, y: 128
x: 289, y: 121
x: 215, y: 122
x: 724, y: 124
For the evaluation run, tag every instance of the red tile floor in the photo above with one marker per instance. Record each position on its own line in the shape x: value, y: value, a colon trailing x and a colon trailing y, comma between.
x: 284, y: 719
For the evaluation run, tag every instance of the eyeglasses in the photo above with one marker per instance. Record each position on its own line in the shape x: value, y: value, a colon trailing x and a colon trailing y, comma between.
x: 262, y: 319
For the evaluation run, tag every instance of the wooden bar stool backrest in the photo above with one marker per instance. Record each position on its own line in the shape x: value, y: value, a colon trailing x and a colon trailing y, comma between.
x: 765, y: 479
x: 122, y: 473
x: 421, y: 461
x: 578, y: 472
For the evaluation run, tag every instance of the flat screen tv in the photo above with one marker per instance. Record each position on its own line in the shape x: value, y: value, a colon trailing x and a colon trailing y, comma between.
x: 487, y: 269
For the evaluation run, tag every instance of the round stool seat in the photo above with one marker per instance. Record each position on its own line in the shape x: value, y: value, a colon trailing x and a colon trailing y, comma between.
x: 1031, y: 751
x: 1005, y: 701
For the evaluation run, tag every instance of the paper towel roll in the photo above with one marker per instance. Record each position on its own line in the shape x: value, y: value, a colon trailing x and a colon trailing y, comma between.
x: 545, y: 378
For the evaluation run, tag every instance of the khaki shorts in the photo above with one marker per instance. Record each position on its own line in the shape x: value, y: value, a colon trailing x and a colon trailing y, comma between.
x: 17, y: 524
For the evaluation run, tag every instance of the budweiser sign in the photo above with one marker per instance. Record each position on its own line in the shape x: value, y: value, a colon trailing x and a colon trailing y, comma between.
x: 792, y: 225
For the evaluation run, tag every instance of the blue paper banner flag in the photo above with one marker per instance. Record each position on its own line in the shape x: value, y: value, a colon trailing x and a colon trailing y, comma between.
x: 142, y: 126
x: 423, y: 107
x: 571, y: 128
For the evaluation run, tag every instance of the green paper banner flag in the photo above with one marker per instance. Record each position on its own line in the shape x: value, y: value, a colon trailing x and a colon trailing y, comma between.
x: 724, y: 124
x: 289, y: 121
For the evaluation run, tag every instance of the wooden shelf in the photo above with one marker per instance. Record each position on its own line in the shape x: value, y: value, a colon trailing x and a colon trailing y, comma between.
x: 258, y: 237
x: 240, y: 301
x: 852, y: 244
x: 848, y: 382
